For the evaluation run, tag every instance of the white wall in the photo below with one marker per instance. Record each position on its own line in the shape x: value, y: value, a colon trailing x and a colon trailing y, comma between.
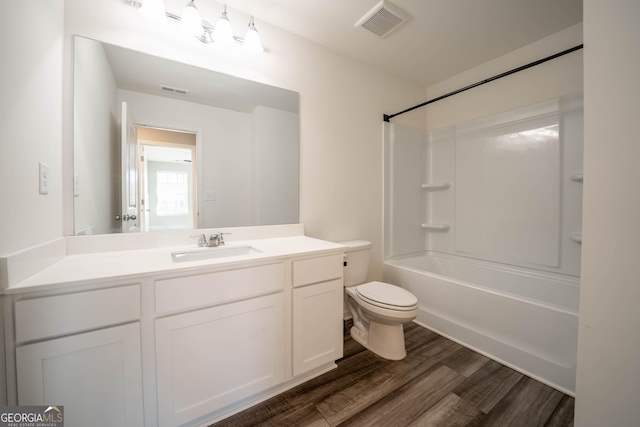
x: 31, y: 46
x: 560, y: 76
x: 341, y: 106
x: 608, y: 381
x: 97, y: 140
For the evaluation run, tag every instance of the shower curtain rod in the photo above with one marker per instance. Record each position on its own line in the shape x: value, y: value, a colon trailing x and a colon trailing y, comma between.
x: 386, y: 117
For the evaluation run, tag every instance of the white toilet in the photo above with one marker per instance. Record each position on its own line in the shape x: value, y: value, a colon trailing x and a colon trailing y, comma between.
x: 378, y: 309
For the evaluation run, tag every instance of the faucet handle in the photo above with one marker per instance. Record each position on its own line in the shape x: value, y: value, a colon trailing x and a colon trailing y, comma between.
x: 202, y: 240
x: 221, y: 238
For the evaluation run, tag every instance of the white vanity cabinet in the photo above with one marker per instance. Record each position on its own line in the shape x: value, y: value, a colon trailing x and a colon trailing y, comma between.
x: 82, y: 351
x: 213, y: 357
x: 317, y: 312
x: 202, y: 339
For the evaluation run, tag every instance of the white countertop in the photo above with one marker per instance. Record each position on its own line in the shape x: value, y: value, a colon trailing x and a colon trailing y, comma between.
x: 92, y: 268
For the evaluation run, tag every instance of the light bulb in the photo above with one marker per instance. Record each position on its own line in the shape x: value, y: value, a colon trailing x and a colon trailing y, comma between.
x: 191, y: 22
x: 252, y: 42
x: 153, y: 10
x: 222, y: 32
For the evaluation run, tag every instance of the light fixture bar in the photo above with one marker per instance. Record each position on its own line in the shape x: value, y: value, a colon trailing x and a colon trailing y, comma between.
x: 207, y: 37
x: 208, y: 28
x: 170, y: 16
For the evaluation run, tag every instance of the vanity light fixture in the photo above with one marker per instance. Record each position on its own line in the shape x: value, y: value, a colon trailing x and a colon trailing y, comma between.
x: 222, y: 32
x: 252, y: 42
x: 192, y: 22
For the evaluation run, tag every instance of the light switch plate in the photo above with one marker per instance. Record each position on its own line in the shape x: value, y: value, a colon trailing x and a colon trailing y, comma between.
x: 43, y: 178
x: 209, y: 196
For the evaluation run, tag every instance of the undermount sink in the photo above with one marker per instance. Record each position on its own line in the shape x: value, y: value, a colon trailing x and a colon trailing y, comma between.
x: 212, y: 253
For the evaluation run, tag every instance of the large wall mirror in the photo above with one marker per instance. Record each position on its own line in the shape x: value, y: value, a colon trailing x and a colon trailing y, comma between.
x: 161, y: 145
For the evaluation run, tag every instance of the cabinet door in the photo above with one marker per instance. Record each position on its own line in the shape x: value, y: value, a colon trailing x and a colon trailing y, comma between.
x: 96, y: 376
x: 317, y: 325
x: 211, y: 358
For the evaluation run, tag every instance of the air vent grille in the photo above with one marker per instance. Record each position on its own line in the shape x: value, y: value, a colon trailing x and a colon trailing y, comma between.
x: 174, y: 90
x: 383, y: 19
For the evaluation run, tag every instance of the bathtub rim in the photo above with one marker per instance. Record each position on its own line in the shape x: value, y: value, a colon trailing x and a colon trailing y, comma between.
x: 565, y: 279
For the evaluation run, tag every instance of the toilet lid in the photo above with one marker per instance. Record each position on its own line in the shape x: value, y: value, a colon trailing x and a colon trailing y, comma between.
x: 389, y: 295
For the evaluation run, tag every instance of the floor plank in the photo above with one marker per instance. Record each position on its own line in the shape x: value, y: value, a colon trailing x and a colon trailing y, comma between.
x: 345, y: 403
x: 530, y: 404
x: 450, y: 411
x: 466, y: 362
x: 488, y: 385
x: 307, y: 416
x: 400, y: 408
x: 563, y: 414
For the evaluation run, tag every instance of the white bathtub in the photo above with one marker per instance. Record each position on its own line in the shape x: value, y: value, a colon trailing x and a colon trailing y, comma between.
x: 523, y: 318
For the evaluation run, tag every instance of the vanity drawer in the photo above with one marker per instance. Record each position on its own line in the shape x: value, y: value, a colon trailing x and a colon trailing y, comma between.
x: 316, y: 270
x: 44, y: 317
x: 216, y: 288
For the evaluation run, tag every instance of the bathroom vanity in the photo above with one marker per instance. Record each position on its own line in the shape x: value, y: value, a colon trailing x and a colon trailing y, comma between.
x: 132, y: 337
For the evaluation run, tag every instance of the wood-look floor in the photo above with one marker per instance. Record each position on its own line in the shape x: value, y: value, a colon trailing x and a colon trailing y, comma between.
x: 439, y: 383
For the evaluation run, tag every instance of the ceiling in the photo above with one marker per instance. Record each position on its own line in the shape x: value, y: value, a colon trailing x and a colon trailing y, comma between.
x: 139, y: 72
x: 441, y: 38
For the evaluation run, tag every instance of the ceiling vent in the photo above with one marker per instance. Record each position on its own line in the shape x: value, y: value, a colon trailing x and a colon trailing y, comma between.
x: 174, y: 90
x: 383, y: 19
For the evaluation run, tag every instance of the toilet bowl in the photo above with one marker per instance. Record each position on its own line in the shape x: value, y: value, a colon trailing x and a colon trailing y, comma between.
x: 379, y: 310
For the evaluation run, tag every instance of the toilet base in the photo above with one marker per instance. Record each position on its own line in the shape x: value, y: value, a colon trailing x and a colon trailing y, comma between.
x: 387, y: 341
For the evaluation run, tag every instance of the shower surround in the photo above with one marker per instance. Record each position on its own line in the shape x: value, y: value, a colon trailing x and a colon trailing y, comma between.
x: 483, y: 224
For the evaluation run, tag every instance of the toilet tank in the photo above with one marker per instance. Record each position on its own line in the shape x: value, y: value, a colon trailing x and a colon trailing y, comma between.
x: 357, y: 254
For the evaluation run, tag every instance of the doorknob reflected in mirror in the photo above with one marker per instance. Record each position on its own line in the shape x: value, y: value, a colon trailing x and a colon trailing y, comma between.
x: 126, y: 217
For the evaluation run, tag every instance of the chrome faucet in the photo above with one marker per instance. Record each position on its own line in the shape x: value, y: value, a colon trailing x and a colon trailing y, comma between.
x: 217, y: 239
x: 214, y: 240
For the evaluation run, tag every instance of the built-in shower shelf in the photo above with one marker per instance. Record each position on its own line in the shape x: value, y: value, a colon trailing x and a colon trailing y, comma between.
x: 577, y: 177
x: 576, y: 237
x: 436, y: 227
x: 436, y: 186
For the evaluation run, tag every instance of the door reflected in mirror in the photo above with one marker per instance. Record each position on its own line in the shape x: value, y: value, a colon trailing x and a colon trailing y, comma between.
x: 239, y: 168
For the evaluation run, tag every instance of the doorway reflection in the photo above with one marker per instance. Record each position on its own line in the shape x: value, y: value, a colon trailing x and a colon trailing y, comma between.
x: 166, y: 175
